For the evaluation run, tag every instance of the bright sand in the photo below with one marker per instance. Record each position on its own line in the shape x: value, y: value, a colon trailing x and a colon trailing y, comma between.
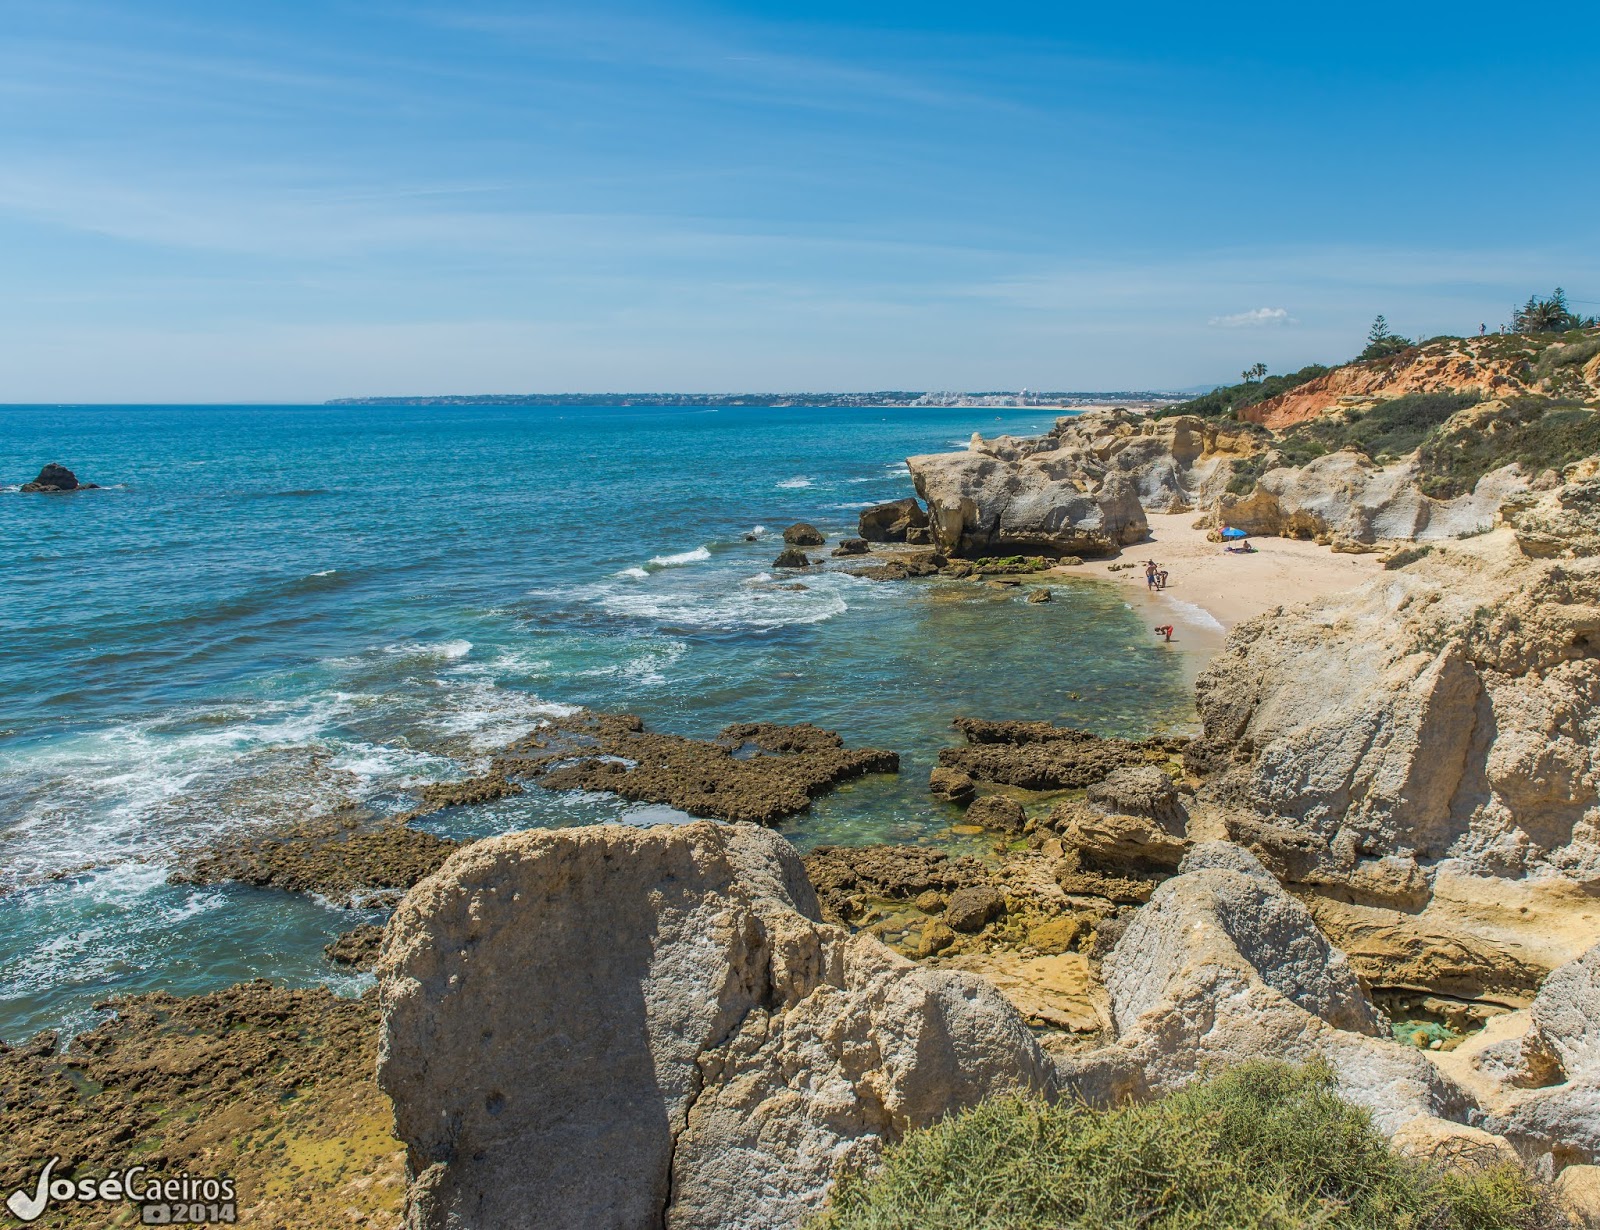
x: 1209, y: 591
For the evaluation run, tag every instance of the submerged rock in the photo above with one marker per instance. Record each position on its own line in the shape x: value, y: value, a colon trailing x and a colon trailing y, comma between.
x: 646, y: 1028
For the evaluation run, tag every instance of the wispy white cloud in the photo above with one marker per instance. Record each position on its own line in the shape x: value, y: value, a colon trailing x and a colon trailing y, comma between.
x: 1256, y: 318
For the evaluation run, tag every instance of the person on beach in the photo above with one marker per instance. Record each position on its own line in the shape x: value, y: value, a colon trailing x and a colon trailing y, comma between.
x: 1150, y: 574
x: 1165, y: 630
x: 1161, y: 579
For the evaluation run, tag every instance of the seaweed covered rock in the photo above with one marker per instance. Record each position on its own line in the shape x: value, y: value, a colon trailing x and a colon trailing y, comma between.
x: 846, y: 877
x: 1041, y: 756
x: 754, y: 771
x: 623, y: 1027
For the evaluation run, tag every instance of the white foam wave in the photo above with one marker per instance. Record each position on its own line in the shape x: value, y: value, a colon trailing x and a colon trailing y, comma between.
x: 791, y: 484
x: 450, y: 651
x: 326, y: 572
x: 853, y: 506
x: 745, y: 606
x: 698, y: 555
x: 641, y: 574
x: 1197, y: 615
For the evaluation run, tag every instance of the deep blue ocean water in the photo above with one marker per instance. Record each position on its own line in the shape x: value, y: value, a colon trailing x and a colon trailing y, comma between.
x: 272, y: 609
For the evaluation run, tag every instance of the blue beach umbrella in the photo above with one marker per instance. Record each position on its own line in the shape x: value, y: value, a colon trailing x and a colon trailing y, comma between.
x: 1233, y: 533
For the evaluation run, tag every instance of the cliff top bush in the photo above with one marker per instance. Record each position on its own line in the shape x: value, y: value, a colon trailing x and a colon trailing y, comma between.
x: 1263, y: 1145
x: 1538, y: 433
x: 1221, y: 403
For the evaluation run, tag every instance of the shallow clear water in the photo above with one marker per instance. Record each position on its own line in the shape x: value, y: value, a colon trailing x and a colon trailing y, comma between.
x: 273, y: 609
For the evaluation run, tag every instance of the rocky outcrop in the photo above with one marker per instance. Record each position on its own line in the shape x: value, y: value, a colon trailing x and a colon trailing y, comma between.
x: 792, y: 557
x: 1041, y: 756
x: 1446, y: 710
x: 896, y: 521
x: 851, y: 546
x: 847, y: 878
x: 57, y: 478
x: 1223, y: 966
x: 643, y: 1028
x: 1347, y: 499
x: 1080, y: 490
x: 349, y: 856
x: 803, y: 534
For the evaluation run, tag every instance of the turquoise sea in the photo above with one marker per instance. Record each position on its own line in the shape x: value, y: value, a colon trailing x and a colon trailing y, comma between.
x: 271, y: 609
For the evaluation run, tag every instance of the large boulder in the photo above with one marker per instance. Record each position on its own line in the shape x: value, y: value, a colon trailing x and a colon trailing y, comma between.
x: 892, y: 522
x: 803, y: 534
x: 1223, y: 966
x: 641, y: 1028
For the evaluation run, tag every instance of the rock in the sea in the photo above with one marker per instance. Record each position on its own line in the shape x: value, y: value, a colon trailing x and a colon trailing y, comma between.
x: 792, y: 557
x: 851, y: 546
x: 643, y: 1028
x: 952, y: 785
x: 995, y: 811
x: 57, y: 478
x: 356, y: 948
x: 1039, y: 756
x: 1222, y: 966
x: 721, y: 779
x: 892, y: 522
x: 1039, y: 595
x: 803, y: 534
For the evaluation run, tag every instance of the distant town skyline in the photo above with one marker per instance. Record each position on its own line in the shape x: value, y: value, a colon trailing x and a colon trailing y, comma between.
x: 298, y: 202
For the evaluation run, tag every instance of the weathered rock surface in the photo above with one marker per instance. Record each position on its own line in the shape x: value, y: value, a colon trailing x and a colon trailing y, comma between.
x: 1040, y: 756
x: 721, y: 779
x: 356, y: 948
x: 804, y: 534
x: 645, y: 1028
x: 1348, y: 499
x: 951, y: 785
x: 1221, y: 966
x: 851, y: 546
x: 792, y: 557
x: 896, y: 521
x: 56, y: 478
x: 1449, y: 709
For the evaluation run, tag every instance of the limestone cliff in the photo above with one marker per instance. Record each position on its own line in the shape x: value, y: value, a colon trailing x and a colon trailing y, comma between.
x: 1446, y: 710
x: 1082, y: 489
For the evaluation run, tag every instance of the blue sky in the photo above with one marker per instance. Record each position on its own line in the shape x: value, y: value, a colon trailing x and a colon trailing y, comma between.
x: 293, y: 201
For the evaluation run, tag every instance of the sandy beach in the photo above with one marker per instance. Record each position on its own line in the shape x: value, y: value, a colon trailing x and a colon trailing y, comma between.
x: 1209, y: 591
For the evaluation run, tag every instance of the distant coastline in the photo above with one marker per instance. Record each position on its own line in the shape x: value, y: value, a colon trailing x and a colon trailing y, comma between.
x: 890, y: 399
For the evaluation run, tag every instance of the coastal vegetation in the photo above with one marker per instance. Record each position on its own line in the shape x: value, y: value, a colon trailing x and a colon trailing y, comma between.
x: 1263, y: 1145
x: 1223, y: 403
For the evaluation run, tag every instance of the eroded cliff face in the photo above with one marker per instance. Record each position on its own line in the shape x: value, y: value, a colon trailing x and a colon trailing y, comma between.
x: 1347, y: 499
x: 1446, y: 710
x: 1495, y: 366
x: 1083, y: 489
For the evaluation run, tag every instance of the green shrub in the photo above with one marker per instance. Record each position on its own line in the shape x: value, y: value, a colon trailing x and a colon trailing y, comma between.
x: 1538, y: 433
x: 1221, y: 403
x: 1245, y: 473
x: 1264, y: 1145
